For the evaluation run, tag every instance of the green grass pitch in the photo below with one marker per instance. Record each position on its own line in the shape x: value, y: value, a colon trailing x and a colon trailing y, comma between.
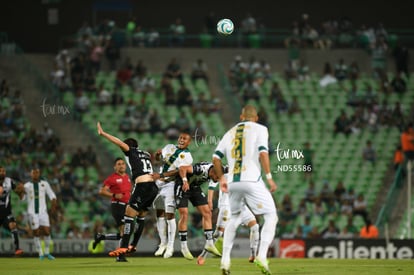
x: 180, y: 266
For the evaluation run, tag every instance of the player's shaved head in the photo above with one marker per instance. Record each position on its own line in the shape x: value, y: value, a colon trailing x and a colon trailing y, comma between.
x: 249, y: 113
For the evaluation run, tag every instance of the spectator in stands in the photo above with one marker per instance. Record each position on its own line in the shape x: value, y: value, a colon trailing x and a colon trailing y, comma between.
x: 183, y: 123
x: 398, y: 157
x: 360, y: 207
x: 354, y: 71
x: 173, y: 70
x: 370, y: 96
x: 308, y: 155
x: 287, y: 212
x: 314, y: 234
x: 339, y: 192
x: 369, y: 153
x: 139, y: 37
x: 81, y: 104
x: 282, y: 105
x: 200, y: 104
x: 407, y: 142
x: 250, y: 91
x: 143, y: 83
x: 275, y: 91
x: 177, y: 33
x: 401, y: 57
x: 123, y: 76
x: 326, y: 193
x: 199, y: 70
x: 341, y: 70
x: 397, y: 116
x: 319, y: 208
x: 237, y: 73
x: 155, y: 122
x: 310, y: 193
x: 90, y: 157
x: 342, y: 124
x: 89, y: 82
x: 369, y: 230
x: 95, y: 56
x: 346, y: 207
x: 78, y: 159
x: 345, y: 234
x: 168, y: 91
x: 303, y: 71
x: 153, y: 38
x: 331, y: 231
x: 117, y: 98
x: 126, y: 124
x: 398, y: 84
x: 184, y: 97
x: 302, y: 208
x: 103, y: 96
x: 172, y: 131
x: 306, y: 227
x: 379, y: 53
x: 294, y: 106
x: 113, y: 54
x: 328, y: 77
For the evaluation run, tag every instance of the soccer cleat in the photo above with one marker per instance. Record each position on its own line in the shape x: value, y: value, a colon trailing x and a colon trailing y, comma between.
x: 98, y: 238
x: 18, y: 252
x: 41, y: 257
x: 169, y: 251
x: 186, y: 253
x: 201, y: 260
x: 49, y: 257
x: 219, y: 244
x: 212, y: 249
x: 225, y: 271
x: 251, y: 259
x: 119, y: 251
x: 263, y: 267
x: 131, y: 249
x: 161, y: 249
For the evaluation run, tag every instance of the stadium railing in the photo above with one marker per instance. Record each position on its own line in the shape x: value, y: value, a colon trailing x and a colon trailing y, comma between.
x: 389, y: 205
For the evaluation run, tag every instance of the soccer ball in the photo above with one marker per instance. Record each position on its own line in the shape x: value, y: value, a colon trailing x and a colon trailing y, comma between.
x: 225, y: 26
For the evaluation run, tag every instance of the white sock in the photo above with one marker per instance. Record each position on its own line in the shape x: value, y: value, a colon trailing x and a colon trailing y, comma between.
x: 254, y: 239
x: 267, y: 234
x: 38, y: 247
x: 46, y: 239
x: 162, y: 232
x: 172, y: 230
x: 228, y: 240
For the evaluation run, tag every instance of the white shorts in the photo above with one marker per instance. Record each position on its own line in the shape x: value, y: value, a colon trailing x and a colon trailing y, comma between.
x: 36, y: 220
x: 224, y: 215
x: 165, y: 199
x: 253, y: 194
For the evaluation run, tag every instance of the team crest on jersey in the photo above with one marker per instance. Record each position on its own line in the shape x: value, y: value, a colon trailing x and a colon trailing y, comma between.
x: 182, y: 156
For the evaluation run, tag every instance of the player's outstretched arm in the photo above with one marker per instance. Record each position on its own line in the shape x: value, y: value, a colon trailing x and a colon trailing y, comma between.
x: 124, y: 147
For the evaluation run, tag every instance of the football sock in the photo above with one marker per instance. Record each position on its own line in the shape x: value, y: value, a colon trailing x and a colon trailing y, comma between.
x: 47, y: 244
x: 138, y: 230
x: 172, y: 229
x: 128, y: 228
x: 267, y: 234
x: 254, y: 239
x: 38, y: 246
x: 161, y: 227
x: 15, y: 235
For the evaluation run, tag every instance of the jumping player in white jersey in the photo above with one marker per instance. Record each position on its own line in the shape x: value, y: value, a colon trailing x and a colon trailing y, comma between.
x: 245, y: 146
x: 173, y: 157
x: 36, y: 191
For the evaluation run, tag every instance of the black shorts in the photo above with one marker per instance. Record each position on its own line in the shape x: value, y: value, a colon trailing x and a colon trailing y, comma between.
x: 143, y: 195
x: 6, y: 218
x: 195, y: 195
x: 118, y: 212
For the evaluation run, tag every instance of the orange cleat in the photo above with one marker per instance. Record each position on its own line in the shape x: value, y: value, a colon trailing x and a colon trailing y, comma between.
x: 18, y: 252
x: 118, y: 252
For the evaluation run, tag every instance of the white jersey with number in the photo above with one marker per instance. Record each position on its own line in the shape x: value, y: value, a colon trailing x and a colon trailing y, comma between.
x: 174, y: 157
x: 36, y: 196
x: 241, y: 146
